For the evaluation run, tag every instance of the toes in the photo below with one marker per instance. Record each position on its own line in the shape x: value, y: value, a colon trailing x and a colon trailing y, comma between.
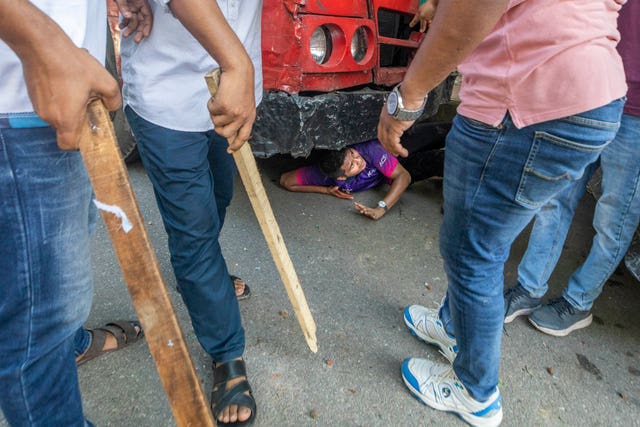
x: 234, y: 413
x: 239, y: 286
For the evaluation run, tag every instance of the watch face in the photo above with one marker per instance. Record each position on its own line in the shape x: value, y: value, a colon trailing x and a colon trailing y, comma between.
x: 392, y: 103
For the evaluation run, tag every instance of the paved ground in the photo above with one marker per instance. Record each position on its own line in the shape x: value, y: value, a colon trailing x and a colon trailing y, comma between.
x: 358, y: 275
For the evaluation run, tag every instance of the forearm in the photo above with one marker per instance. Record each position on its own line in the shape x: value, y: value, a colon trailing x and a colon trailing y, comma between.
x: 457, y: 28
x: 308, y: 189
x: 398, y: 187
x: 28, y: 31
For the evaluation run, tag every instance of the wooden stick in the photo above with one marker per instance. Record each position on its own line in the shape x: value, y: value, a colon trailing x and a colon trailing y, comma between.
x: 140, y: 269
x: 255, y: 190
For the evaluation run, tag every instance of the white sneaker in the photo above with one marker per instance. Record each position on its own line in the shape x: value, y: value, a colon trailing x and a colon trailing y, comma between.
x: 425, y: 324
x: 437, y: 386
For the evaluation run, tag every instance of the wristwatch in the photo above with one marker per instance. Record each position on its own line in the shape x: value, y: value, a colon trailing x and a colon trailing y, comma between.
x: 382, y: 204
x: 396, y: 109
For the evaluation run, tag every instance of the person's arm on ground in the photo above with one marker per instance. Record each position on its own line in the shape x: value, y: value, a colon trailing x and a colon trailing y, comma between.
x: 401, y: 180
x: 457, y: 28
x: 137, y: 18
x: 233, y: 110
x: 61, y: 77
x: 289, y: 182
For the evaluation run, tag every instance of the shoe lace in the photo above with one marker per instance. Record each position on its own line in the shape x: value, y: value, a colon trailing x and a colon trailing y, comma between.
x: 562, y: 307
x: 515, y: 293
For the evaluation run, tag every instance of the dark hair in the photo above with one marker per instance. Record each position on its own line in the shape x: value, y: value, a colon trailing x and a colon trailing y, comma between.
x: 331, y: 163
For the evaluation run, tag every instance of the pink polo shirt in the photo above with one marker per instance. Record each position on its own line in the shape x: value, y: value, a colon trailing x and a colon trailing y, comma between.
x: 544, y: 60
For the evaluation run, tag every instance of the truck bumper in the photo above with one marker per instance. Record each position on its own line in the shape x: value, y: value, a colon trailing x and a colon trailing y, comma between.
x: 296, y: 124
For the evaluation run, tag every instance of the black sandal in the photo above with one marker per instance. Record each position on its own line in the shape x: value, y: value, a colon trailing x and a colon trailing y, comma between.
x: 222, y: 398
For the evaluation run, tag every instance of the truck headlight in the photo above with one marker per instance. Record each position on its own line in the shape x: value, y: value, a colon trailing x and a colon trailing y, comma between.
x: 359, y: 44
x: 320, y: 46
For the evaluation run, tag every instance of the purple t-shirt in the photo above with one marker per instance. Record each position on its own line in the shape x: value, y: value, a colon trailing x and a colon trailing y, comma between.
x: 629, y: 49
x: 380, y: 166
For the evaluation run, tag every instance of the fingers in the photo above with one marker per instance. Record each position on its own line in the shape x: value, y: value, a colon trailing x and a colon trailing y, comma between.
x: 137, y: 18
x: 69, y: 132
x: 415, y: 20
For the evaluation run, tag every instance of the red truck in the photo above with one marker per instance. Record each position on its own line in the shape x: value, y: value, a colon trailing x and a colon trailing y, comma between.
x: 328, y: 66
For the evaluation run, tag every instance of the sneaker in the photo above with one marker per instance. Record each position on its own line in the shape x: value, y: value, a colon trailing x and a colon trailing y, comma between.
x: 437, y: 386
x: 425, y: 324
x: 559, y: 318
x: 518, y: 302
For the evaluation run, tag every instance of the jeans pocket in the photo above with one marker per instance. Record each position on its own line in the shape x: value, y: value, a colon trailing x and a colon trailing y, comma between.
x: 552, y: 164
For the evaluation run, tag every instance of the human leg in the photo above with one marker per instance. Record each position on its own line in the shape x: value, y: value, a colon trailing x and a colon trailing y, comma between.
x: 178, y: 167
x: 616, y: 215
x: 615, y: 220
x: 223, y: 170
x: 547, y: 237
x: 496, y: 179
x: 188, y: 196
x: 546, y: 240
x: 44, y: 257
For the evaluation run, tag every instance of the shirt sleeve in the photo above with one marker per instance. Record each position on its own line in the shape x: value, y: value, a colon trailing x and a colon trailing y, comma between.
x: 378, y: 157
x: 312, y: 175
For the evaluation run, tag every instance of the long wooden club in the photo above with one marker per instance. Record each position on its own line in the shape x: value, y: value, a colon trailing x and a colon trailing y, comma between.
x: 255, y: 190
x: 119, y: 208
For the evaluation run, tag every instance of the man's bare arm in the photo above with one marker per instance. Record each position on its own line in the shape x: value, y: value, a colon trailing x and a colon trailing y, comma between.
x: 457, y: 28
x: 233, y: 110
x: 61, y: 78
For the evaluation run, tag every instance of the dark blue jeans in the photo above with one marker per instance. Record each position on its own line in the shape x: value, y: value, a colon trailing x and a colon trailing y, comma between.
x: 496, y: 179
x: 45, y: 282
x: 192, y: 177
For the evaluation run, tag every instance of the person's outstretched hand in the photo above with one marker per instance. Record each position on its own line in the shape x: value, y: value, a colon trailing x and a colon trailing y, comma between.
x: 335, y: 191
x: 373, y: 213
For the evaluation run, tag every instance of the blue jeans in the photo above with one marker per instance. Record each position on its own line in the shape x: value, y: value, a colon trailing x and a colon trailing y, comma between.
x: 496, y: 180
x: 615, y: 219
x: 192, y: 177
x: 548, y: 234
x: 45, y: 216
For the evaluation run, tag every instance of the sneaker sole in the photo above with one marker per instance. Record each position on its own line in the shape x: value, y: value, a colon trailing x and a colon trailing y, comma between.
x: 469, y: 418
x: 424, y: 338
x: 521, y: 312
x: 563, y: 332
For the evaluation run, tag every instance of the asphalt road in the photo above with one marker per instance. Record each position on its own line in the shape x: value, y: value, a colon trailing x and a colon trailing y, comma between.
x: 358, y: 275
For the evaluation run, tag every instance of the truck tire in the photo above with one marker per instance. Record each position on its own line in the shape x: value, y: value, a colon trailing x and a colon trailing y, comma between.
x: 126, y: 141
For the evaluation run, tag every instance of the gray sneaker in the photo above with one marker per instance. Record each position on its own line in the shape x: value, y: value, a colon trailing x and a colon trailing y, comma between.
x: 518, y: 302
x: 559, y: 318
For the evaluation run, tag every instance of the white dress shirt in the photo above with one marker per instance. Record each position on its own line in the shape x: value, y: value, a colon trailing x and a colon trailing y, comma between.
x: 164, y: 73
x: 84, y: 21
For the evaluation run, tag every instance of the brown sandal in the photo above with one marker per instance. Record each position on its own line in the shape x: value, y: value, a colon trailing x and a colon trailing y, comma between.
x: 246, y: 293
x: 124, y: 332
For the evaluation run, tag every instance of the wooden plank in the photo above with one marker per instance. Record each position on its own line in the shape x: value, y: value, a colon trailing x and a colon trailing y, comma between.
x: 255, y: 190
x: 141, y: 272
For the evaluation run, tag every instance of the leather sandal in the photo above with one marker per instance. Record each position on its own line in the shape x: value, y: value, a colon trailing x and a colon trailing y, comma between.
x: 123, y: 330
x: 221, y: 397
x: 246, y: 293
